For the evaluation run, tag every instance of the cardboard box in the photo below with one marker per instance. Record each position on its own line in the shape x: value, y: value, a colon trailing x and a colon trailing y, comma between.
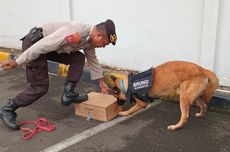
x: 99, y: 106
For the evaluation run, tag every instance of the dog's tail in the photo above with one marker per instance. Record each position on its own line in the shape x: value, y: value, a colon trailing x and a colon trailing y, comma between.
x: 213, y: 83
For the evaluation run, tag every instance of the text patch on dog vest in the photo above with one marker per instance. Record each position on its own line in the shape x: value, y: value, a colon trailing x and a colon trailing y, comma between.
x: 141, y: 82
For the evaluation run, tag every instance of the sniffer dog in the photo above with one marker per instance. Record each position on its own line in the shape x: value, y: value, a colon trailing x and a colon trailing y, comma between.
x: 194, y: 83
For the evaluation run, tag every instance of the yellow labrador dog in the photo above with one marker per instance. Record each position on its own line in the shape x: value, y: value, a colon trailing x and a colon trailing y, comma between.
x: 195, y: 84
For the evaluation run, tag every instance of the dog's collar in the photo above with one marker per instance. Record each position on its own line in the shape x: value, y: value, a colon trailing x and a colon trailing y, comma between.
x: 122, y: 87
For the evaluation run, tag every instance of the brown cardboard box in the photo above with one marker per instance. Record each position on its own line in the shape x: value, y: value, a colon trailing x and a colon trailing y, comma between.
x: 99, y: 106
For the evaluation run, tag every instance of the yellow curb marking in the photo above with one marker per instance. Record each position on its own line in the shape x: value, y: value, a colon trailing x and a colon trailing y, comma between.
x: 4, y: 56
x: 63, y: 70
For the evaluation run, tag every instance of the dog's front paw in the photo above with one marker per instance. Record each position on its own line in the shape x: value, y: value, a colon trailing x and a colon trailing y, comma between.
x: 172, y: 127
x: 123, y: 113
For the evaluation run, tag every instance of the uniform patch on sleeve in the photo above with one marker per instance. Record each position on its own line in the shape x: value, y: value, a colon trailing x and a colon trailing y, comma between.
x: 73, y: 38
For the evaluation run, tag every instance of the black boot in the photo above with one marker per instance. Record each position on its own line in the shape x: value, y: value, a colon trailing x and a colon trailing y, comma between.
x: 69, y: 96
x: 8, y: 115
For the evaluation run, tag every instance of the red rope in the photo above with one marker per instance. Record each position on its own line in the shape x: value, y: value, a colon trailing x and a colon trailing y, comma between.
x: 42, y: 125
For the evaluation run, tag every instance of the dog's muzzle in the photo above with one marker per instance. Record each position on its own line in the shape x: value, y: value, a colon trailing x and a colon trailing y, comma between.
x: 120, y: 102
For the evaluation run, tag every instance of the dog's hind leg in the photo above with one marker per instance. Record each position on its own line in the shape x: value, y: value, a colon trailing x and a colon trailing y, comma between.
x: 139, y: 105
x: 189, y: 90
x: 184, y: 107
x: 203, y: 108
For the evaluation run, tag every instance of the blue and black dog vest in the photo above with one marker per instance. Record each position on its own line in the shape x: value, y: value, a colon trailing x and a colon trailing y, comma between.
x: 139, y: 85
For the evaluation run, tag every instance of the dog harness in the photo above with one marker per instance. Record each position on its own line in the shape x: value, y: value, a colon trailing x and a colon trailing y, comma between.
x: 138, y: 86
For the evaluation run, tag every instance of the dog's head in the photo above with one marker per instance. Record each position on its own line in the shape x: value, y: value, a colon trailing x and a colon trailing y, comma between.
x: 118, y: 89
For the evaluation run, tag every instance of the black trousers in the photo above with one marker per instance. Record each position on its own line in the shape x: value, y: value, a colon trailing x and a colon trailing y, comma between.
x: 37, y: 73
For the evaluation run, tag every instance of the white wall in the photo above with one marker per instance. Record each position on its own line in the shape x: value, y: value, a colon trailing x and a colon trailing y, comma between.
x: 222, y: 56
x: 150, y: 32
x: 18, y: 16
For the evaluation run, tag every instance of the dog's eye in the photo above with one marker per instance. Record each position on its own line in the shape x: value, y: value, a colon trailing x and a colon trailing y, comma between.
x: 114, y: 90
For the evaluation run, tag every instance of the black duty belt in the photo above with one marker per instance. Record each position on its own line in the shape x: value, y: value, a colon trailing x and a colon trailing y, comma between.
x: 34, y: 35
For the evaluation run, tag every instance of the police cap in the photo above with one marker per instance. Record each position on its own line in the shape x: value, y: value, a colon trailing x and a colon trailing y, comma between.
x: 110, y: 30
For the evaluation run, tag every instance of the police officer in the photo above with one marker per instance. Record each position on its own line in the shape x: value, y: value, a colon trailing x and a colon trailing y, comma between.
x: 59, y: 42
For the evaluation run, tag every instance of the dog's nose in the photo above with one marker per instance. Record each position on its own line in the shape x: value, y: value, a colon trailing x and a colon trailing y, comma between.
x: 112, y: 91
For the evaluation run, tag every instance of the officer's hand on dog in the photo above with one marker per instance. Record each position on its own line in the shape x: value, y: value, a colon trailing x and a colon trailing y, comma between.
x: 104, y: 87
x: 8, y: 64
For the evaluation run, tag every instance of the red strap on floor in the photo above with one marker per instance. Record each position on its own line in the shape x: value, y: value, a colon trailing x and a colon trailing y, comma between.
x: 42, y: 125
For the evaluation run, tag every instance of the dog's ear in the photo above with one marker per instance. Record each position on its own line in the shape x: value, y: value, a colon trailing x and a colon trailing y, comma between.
x: 132, y: 73
x: 113, y: 77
